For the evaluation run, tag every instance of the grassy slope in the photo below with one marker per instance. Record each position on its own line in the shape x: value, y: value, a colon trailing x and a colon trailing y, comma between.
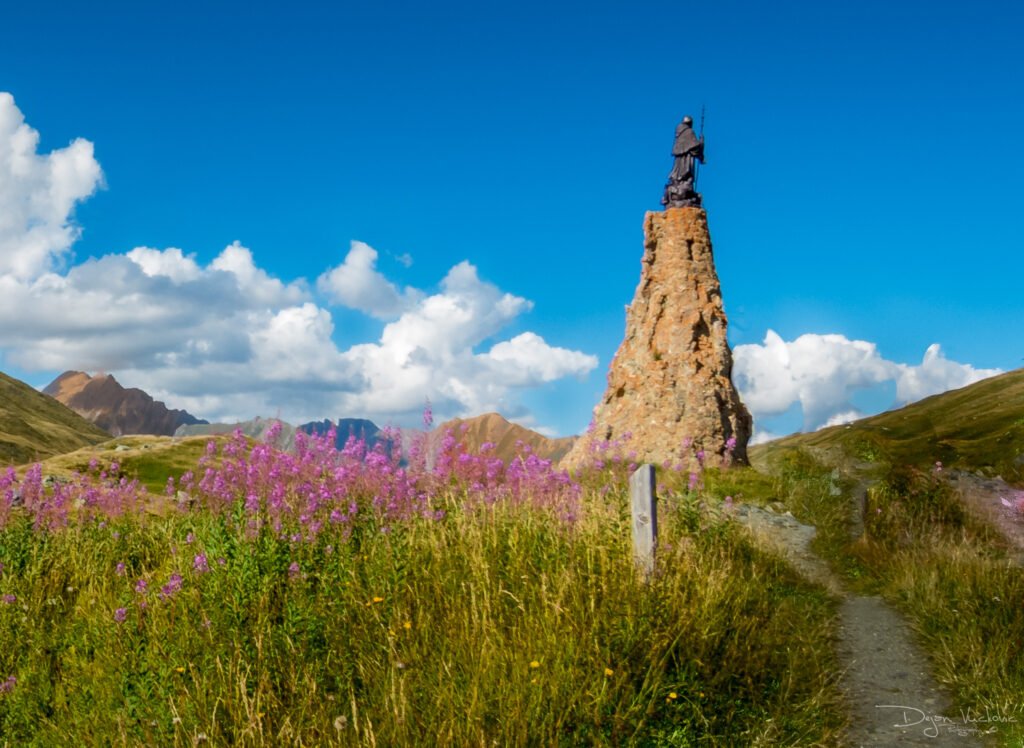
x: 978, y: 428
x: 35, y: 426
x: 948, y: 571
x: 151, y: 459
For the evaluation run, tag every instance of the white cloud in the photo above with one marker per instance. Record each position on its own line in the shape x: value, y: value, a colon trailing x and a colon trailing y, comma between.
x: 357, y: 284
x: 430, y: 349
x: 38, y: 193
x: 226, y: 340
x: 843, y: 417
x: 529, y: 358
x: 823, y: 372
x: 760, y: 437
x: 936, y: 374
x: 171, y: 263
x: 256, y: 283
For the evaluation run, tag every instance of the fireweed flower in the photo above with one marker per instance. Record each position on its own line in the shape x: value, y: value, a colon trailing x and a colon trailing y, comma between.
x: 172, y: 586
x: 293, y: 570
x: 120, y: 614
x: 200, y: 564
x: 120, y: 569
x: 8, y: 685
x: 9, y: 599
x: 141, y: 586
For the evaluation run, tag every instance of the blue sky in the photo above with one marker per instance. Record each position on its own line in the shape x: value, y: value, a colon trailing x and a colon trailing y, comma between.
x: 862, y: 184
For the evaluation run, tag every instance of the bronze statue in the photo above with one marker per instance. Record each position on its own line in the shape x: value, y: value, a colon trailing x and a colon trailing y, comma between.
x: 688, y: 150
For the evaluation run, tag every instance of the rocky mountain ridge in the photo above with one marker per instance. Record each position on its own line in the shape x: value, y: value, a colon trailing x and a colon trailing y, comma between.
x: 117, y: 410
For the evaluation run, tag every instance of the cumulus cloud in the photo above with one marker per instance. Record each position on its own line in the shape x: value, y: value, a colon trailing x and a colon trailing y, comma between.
x: 170, y: 263
x: 936, y: 374
x: 38, y: 193
x: 227, y: 340
x: 823, y: 372
x: 356, y: 283
x: 529, y: 358
x: 430, y: 348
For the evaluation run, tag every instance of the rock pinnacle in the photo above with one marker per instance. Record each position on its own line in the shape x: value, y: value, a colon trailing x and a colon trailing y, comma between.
x: 670, y: 384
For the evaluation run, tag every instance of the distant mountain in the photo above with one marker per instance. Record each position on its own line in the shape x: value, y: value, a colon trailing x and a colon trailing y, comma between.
x: 345, y: 427
x: 255, y: 428
x: 471, y: 432
x: 34, y: 426
x: 503, y: 434
x: 102, y: 400
x: 978, y: 428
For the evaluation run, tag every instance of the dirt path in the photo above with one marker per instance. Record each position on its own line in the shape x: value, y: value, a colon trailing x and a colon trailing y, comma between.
x: 893, y: 698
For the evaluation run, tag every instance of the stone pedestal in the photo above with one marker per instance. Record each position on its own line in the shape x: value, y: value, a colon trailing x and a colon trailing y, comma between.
x: 670, y: 383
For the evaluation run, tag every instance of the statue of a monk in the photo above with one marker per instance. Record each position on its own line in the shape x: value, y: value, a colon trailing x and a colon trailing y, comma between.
x: 688, y: 150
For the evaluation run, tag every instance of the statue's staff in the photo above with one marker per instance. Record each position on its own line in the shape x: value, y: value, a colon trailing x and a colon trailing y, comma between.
x: 698, y: 162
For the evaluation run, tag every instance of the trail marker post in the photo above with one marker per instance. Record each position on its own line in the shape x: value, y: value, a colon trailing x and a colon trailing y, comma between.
x: 644, y: 505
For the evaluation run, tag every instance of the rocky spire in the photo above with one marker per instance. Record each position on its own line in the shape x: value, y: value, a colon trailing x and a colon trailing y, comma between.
x: 670, y: 383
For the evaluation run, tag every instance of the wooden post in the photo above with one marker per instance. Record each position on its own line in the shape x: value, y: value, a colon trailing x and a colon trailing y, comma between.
x: 644, y: 503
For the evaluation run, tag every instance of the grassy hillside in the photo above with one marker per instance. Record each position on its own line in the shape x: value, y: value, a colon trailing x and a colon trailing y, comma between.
x: 150, y: 459
x: 917, y: 539
x: 34, y: 426
x: 979, y: 428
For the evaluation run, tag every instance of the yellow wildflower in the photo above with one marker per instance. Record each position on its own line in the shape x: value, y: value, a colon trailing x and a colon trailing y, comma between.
x: 179, y: 670
x: 534, y: 665
x: 608, y: 672
x: 407, y: 625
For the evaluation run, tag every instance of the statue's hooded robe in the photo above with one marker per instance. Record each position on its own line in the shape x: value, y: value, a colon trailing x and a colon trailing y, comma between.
x: 687, y: 150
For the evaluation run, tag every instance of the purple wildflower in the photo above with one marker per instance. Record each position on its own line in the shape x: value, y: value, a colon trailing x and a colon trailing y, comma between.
x: 141, y: 586
x: 9, y: 599
x: 120, y: 614
x: 293, y: 570
x: 200, y: 564
x: 172, y: 586
x: 120, y: 569
x: 8, y: 685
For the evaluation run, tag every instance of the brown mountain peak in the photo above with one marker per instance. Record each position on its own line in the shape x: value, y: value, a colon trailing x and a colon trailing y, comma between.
x: 504, y: 435
x: 119, y: 410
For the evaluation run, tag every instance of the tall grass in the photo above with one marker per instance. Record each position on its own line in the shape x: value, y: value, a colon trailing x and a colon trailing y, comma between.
x: 467, y: 604
x: 950, y: 574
